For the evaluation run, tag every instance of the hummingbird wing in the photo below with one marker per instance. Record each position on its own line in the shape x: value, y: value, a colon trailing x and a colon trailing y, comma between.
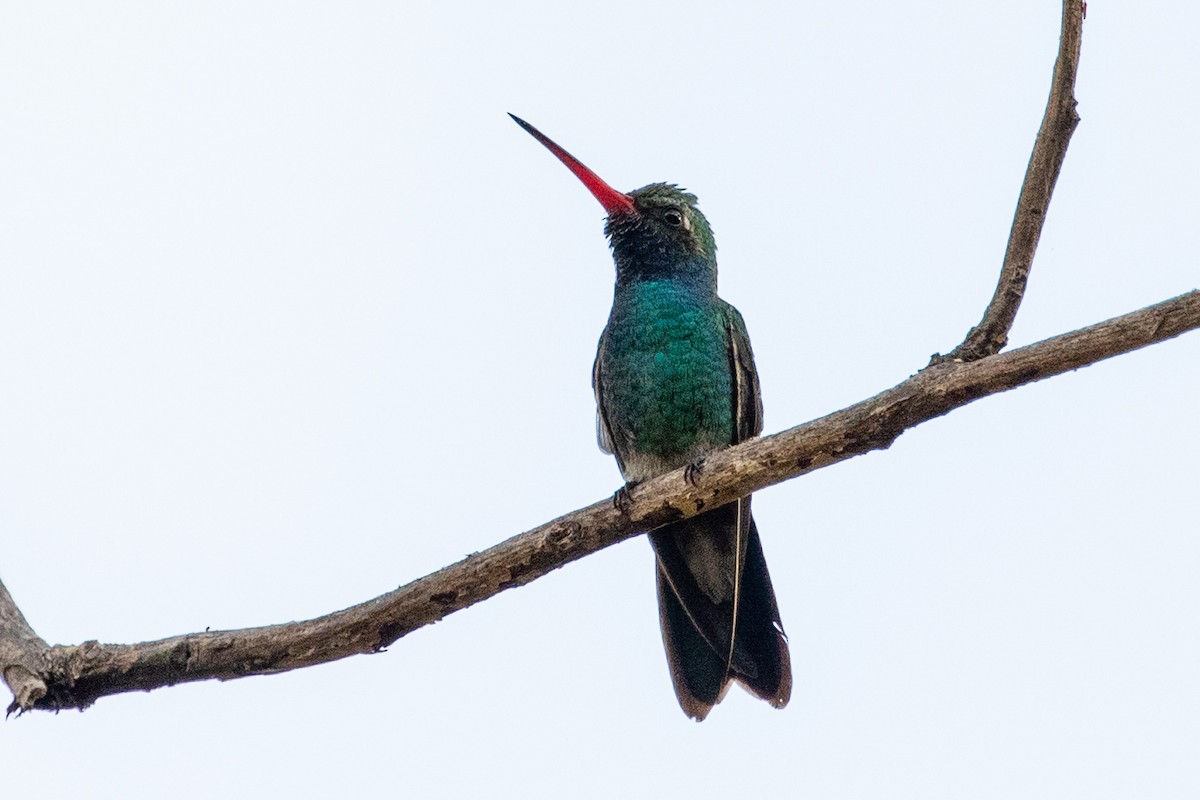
x: 747, y: 423
x: 760, y: 638
x: 604, y: 435
x: 747, y: 396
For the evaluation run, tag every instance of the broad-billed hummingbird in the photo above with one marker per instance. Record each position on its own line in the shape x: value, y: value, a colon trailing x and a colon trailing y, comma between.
x: 674, y: 379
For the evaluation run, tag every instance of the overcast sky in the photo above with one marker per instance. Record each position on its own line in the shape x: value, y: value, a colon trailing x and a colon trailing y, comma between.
x: 292, y: 313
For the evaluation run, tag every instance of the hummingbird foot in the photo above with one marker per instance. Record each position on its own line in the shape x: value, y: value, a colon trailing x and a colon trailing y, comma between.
x: 691, y: 473
x: 622, y: 499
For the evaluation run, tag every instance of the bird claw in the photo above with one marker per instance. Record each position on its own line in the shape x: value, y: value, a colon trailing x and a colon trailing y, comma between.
x: 691, y: 473
x: 622, y: 499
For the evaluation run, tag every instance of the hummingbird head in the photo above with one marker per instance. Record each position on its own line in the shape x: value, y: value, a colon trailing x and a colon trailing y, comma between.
x: 664, y: 236
x: 655, y: 232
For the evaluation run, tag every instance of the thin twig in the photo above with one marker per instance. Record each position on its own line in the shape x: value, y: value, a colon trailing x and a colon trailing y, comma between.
x: 77, y: 675
x: 1049, y: 149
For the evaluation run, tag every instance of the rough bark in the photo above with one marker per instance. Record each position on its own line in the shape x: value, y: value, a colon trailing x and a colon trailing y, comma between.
x: 23, y: 655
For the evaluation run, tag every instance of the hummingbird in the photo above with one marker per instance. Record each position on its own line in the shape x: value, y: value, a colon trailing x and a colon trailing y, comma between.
x: 674, y: 379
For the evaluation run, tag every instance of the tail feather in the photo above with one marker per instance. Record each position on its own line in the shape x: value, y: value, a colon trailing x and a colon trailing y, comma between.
x: 760, y: 631
x: 699, y: 592
x: 699, y: 674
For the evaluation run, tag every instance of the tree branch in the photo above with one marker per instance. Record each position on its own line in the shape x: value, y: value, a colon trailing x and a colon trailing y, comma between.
x: 75, y: 676
x: 1049, y: 149
x: 22, y: 655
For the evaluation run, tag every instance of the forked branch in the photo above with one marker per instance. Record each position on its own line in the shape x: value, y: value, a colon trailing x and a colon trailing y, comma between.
x: 75, y: 676
x: 1049, y: 149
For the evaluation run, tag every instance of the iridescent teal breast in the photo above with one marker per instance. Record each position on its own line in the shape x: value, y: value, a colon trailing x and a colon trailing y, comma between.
x: 666, y: 373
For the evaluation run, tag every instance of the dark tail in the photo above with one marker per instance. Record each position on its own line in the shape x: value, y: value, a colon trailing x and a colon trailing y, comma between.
x: 698, y: 591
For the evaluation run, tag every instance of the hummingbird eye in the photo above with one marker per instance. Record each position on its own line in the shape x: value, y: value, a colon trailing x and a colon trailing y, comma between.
x: 674, y: 217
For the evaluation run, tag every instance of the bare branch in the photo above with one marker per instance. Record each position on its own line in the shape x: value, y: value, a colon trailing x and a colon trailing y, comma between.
x: 1049, y: 149
x: 22, y: 655
x: 75, y: 676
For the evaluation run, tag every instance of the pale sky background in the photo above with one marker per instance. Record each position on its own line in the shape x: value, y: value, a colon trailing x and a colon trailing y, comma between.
x: 292, y: 313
